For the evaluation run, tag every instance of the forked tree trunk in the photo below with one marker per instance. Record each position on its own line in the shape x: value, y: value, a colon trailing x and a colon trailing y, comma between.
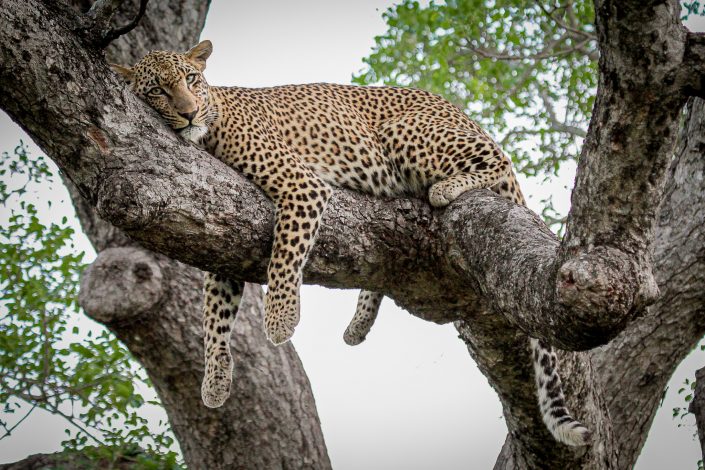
x: 493, y: 268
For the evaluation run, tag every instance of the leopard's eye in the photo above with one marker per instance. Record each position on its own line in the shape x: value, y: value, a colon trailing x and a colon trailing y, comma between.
x: 190, y: 78
x: 156, y: 91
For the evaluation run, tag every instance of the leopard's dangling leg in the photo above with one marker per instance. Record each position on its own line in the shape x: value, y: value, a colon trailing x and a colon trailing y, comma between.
x: 555, y: 415
x: 367, y: 308
x: 298, y: 216
x: 221, y: 300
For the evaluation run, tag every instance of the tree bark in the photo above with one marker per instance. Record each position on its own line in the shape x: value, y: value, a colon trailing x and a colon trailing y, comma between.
x: 491, y: 267
x: 631, y: 372
x: 153, y: 305
x: 639, y: 362
x: 270, y: 419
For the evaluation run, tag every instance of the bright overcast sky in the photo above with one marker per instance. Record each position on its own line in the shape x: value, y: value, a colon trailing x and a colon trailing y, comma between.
x: 410, y: 397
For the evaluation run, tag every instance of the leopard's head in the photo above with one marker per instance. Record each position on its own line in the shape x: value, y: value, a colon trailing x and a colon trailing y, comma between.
x: 173, y: 84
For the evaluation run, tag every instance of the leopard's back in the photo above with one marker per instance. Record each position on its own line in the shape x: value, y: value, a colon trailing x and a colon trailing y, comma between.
x: 380, y: 140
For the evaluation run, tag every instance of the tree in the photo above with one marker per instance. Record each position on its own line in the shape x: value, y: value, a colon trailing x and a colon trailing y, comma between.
x: 146, y: 299
x: 592, y: 288
x: 542, y: 55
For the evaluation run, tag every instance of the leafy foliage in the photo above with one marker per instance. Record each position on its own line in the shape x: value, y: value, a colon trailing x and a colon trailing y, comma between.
x: 49, y: 357
x: 692, y: 8
x: 687, y: 391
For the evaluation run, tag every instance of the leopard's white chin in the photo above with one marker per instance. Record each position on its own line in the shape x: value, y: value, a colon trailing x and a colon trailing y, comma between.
x: 194, y: 133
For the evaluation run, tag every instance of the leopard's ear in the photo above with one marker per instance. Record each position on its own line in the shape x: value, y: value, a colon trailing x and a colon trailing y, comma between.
x: 199, y: 53
x: 126, y: 73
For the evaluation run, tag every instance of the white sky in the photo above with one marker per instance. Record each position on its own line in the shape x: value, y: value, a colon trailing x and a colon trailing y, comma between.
x: 410, y: 397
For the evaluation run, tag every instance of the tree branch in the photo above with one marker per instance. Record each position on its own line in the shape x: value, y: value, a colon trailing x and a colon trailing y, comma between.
x: 556, y: 123
x: 115, y: 33
x: 121, y: 284
x: 572, y: 28
x: 641, y: 360
x: 622, y: 168
x: 8, y: 430
x: 101, y: 15
x: 548, y: 53
x: 503, y: 356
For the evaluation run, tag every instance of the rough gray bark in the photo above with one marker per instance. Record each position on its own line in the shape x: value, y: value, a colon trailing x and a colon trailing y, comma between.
x: 632, y: 128
x: 463, y: 264
x: 631, y: 372
x: 153, y: 304
x: 639, y: 362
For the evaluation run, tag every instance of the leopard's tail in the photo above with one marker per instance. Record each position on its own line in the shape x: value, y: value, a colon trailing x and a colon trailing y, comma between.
x: 365, y: 314
x: 555, y: 415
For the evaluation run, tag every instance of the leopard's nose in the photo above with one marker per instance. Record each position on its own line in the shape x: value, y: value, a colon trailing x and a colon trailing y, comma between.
x: 189, y: 116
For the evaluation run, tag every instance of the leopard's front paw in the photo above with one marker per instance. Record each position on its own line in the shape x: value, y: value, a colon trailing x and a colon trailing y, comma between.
x: 281, y: 315
x: 437, y: 195
x: 217, y: 379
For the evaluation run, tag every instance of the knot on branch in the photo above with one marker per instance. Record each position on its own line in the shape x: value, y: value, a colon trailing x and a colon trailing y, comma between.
x: 127, y: 203
x: 604, y: 289
x: 121, y: 284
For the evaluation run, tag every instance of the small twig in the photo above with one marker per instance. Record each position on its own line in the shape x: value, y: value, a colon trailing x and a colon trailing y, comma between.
x: 72, y: 420
x: 45, y: 347
x: 565, y: 25
x: 116, y: 33
x: 556, y: 123
x: 8, y: 431
x: 102, y: 13
x: 545, y: 54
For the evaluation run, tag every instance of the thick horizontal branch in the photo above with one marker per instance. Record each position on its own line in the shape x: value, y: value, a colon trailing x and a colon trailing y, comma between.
x: 180, y: 201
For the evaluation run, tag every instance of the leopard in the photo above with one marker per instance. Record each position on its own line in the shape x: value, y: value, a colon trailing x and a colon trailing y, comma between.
x: 297, y: 143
